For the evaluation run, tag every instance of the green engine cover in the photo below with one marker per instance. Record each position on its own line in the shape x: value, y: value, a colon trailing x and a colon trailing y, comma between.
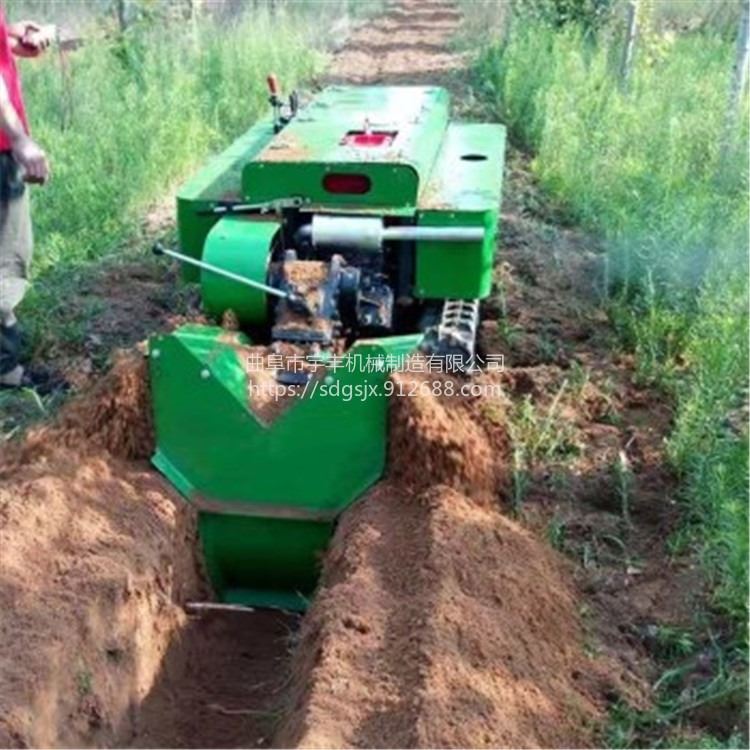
x: 243, y: 246
x: 316, y: 143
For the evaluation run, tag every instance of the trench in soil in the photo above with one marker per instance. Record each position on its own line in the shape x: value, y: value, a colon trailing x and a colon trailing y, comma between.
x: 222, y: 683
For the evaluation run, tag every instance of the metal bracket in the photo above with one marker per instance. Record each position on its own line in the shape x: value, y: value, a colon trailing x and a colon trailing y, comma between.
x: 231, y: 208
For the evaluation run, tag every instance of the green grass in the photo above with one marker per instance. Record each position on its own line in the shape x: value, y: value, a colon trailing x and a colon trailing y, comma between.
x: 641, y: 168
x: 718, y: 699
x: 644, y: 171
x: 126, y: 117
x: 537, y: 435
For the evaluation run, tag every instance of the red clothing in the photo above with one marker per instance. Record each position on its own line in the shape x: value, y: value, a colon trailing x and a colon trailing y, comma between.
x: 12, y: 80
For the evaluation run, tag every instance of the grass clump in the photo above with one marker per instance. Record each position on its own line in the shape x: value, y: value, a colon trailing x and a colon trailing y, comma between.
x: 715, y: 703
x: 645, y: 170
x: 643, y: 166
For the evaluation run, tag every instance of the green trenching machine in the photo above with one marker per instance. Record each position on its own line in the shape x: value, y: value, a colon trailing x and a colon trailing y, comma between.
x: 395, y: 209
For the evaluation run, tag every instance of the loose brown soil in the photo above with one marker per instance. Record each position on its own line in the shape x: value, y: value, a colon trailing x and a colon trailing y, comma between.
x: 95, y: 554
x: 307, y: 277
x: 407, y: 45
x: 440, y: 622
x: 222, y: 683
x: 114, y: 415
x: 98, y: 557
x: 267, y: 398
x: 444, y: 616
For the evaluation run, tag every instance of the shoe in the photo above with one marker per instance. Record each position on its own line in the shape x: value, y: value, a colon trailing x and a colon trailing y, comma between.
x: 10, y: 348
x: 38, y: 379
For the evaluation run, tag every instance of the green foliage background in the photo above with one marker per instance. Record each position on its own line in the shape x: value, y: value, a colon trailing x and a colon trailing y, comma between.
x: 124, y: 118
x: 644, y: 168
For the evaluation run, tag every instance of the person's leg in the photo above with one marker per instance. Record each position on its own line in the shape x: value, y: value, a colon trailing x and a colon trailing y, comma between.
x: 16, y: 244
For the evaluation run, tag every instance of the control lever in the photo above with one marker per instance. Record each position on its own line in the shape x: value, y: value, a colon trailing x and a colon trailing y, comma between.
x: 275, y: 100
x: 296, y: 301
x: 279, y: 120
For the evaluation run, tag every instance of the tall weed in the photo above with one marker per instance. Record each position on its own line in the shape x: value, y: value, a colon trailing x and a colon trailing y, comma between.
x: 123, y: 119
x: 644, y: 170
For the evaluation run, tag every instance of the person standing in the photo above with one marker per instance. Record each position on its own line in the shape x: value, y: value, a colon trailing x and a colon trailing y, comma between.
x: 21, y: 161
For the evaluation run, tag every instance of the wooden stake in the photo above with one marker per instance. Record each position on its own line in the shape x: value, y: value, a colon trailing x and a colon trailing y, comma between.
x: 628, y: 51
x: 737, y: 84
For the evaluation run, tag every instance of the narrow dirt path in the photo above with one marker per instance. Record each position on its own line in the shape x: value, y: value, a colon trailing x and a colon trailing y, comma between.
x: 410, y: 45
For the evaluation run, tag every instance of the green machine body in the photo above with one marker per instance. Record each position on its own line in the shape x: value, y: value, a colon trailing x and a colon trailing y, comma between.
x: 395, y: 208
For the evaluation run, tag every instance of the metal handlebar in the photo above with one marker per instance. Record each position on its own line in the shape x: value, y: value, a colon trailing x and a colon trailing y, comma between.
x: 159, y: 249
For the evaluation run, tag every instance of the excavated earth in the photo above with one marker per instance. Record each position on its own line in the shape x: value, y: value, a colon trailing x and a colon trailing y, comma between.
x: 440, y: 622
x: 442, y: 618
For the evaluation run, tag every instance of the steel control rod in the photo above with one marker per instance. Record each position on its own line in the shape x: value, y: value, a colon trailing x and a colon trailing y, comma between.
x: 159, y: 249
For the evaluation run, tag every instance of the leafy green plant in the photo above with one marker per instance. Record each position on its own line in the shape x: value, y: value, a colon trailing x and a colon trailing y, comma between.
x: 624, y: 481
x: 536, y: 436
x: 644, y: 171
x: 84, y: 681
x: 123, y: 119
x: 556, y: 533
x: 542, y: 433
x: 677, y: 698
x: 673, y: 642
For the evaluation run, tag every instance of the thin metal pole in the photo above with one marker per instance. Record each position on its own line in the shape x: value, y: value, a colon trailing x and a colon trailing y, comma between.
x: 195, y: 608
x: 737, y: 84
x: 434, y: 234
x: 626, y: 66
x: 160, y: 250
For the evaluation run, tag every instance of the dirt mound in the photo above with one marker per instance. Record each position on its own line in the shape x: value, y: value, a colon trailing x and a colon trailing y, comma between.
x: 439, y: 621
x: 114, y: 415
x: 95, y: 555
x: 508, y: 667
x: 440, y: 437
x: 357, y: 660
